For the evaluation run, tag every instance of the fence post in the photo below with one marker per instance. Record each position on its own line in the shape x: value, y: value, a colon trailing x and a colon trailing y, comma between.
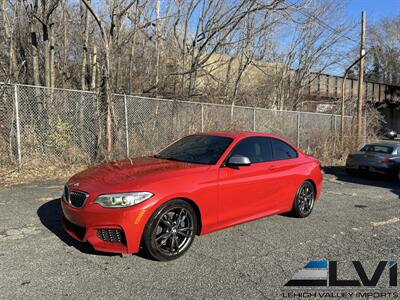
x: 126, y: 127
x: 365, y: 126
x: 254, y: 119
x: 298, y: 129
x: 17, y: 125
x: 334, y: 133
x: 202, y: 117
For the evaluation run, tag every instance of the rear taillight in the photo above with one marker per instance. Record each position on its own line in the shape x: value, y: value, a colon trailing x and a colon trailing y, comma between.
x: 386, y: 161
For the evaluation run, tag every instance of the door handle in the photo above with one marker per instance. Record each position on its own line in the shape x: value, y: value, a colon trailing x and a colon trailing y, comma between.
x: 271, y: 168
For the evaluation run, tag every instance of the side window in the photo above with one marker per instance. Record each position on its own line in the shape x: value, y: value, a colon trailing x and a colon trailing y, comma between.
x: 282, y: 150
x: 257, y: 149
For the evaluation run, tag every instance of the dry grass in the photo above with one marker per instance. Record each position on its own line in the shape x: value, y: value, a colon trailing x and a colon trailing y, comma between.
x: 37, y: 172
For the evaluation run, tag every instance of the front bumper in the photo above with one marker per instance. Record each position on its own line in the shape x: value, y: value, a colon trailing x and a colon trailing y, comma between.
x: 83, y: 224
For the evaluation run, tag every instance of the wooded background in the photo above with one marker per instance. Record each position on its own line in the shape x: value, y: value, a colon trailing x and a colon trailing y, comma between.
x: 214, y: 50
x: 265, y: 53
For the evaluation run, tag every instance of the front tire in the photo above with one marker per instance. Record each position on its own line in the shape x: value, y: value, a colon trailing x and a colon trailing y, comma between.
x: 170, y: 230
x: 304, y: 201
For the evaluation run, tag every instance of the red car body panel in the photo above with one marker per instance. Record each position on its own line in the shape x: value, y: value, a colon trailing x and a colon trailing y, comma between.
x: 224, y: 196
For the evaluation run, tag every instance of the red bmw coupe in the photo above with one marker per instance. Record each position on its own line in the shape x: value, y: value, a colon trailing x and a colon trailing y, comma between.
x: 199, y: 184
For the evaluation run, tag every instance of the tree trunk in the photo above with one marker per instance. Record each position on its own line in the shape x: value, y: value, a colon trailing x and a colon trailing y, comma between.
x: 108, y: 99
x: 65, y: 45
x: 52, y: 73
x: 94, y: 69
x: 118, y: 53
x: 46, y: 42
x: 85, y: 39
x: 13, y: 68
x: 131, y: 62
x: 132, y: 52
x: 34, y: 54
x: 9, y: 32
x: 157, y: 45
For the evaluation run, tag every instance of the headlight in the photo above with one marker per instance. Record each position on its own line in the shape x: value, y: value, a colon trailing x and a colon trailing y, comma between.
x: 122, y: 200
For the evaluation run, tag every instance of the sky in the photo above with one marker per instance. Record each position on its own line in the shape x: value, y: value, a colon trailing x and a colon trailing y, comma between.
x: 375, y: 9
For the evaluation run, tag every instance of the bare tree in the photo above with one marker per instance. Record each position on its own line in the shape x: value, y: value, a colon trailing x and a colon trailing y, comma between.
x: 9, y: 30
x: 313, y: 49
x: 249, y: 52
x: 32, y: 9
x: 384, y: 43
x: 48, y: 7
x: 85, y: 39
x: 65, y: 42
x: 118, y: 12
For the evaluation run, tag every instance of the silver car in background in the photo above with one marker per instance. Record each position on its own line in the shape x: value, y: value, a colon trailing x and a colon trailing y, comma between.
x: 390, y: 134
x: 379, y: 158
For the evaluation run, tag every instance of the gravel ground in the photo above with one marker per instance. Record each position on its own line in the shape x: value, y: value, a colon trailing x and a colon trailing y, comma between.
x: 356, y: 219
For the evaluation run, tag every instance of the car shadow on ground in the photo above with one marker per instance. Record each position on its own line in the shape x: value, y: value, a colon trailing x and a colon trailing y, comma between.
x: 387, y: 182
x: 50, y: 215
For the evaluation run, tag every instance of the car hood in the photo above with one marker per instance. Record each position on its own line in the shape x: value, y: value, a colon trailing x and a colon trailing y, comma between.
x: 130, y: 173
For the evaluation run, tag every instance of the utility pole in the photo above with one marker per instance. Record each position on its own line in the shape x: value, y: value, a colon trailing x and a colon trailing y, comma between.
x: 342, y: 111
x: 360, y: 103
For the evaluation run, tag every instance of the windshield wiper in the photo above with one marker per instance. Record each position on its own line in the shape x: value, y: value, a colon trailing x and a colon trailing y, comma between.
x: 180, y: 160
x: 168, y: 158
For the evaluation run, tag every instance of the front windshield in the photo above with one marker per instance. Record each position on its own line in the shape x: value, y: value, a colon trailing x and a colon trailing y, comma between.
x: 201, y: 149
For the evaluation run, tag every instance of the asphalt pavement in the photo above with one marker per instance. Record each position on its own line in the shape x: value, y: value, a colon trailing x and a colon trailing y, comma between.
x: 355, y: 219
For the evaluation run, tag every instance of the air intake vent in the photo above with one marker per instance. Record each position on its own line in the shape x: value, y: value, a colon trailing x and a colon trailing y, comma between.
x: 77, y: 199
x: 111, y: 235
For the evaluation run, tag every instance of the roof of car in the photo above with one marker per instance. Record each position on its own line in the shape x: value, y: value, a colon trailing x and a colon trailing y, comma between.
x: 236, y: 134
x: 384, y: 144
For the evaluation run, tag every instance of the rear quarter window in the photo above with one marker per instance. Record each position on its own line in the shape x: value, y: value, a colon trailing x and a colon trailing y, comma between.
x: 377, y: 149
x: 383, y: 149
x: 282, y: 150
x: 257, y: 149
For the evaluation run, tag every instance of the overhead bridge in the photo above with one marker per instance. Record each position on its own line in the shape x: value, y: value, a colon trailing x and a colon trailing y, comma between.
x: 327, y: 90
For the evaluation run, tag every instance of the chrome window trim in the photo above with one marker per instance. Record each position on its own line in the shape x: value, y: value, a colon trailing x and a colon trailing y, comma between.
x: 64, y: 198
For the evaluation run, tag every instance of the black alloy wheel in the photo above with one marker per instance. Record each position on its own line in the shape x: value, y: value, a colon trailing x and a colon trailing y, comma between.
x: 304, y: 202
x: 170, y: 230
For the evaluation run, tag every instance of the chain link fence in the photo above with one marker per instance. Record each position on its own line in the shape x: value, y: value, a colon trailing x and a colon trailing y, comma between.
x: 39, y: 125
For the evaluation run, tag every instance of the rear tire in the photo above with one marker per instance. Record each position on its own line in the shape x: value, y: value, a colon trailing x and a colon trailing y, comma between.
x: 303, y: 203
x: 170, y: 231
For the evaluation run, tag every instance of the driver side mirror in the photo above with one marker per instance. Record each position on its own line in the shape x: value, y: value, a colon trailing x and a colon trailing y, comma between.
x: 238, y: 161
